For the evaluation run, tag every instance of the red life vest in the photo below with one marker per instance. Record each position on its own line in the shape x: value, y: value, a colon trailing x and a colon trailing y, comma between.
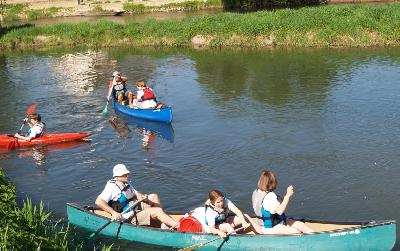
x: 148, y: 94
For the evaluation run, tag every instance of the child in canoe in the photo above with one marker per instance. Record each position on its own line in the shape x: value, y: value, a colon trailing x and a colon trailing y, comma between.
x: 222, y: 216
x: 145, y: 98
x: 37, y: 128
x: 270, y: 208
x: 117, y: 88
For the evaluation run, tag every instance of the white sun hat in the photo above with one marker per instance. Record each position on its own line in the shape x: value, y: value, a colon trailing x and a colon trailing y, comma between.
x: 116, y: 73
x: 120, y: 170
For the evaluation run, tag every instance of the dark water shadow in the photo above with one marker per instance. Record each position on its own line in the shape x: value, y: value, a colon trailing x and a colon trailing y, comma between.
x: 7, y: 29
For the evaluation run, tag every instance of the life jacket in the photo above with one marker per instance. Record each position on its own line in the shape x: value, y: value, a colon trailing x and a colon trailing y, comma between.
x: 269, y: 220
x: 148, y: 94
x: 42, y: 127
x: 222, y: 213
x: 126, y: 197
x: 118, y: 86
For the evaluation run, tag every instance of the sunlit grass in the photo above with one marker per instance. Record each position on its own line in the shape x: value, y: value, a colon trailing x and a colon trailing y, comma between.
x: 326, y: 26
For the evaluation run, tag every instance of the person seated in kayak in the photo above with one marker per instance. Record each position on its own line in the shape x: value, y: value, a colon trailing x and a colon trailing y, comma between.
x: 37, y: 128
x: 271, y: 209
x: 145, y: 98
x: 222, y: 216
x: 117, y: 86
x: 119, y: 194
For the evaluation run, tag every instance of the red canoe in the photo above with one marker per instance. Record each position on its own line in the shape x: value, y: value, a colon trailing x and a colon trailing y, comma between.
x: 10, y: 142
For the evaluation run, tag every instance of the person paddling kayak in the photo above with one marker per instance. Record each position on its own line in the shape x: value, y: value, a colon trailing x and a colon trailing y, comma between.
x: 37, y: 128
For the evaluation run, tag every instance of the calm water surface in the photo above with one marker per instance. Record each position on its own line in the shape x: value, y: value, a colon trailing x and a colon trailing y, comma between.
x: 326, y: 121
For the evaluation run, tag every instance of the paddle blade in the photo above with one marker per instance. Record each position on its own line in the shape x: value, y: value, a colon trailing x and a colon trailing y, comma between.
x: 105, y: 110
x: 190, y: 248
x: 31, y: 109
x: 12, y: 145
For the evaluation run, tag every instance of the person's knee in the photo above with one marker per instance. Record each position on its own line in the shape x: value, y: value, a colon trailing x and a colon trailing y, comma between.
x: 155, y: 199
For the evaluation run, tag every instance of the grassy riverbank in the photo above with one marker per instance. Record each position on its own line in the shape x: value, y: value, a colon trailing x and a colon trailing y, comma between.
x: 325, y: 26
x: 27, y: 227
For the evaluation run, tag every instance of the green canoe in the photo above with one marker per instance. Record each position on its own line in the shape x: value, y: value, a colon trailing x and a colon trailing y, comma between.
x: 374, y: 235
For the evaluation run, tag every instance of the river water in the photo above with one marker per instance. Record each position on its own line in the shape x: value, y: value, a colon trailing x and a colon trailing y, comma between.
x: 325, y: 120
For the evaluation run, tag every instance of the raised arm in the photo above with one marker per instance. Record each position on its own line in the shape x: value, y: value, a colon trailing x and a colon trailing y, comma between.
x: 282, y: 207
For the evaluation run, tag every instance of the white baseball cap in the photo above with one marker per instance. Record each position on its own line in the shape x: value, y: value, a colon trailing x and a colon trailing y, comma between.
x: 120, y: 170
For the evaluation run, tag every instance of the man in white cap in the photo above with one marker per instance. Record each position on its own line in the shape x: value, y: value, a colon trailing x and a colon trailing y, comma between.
x: 117, y: 87
x: 119, y: 194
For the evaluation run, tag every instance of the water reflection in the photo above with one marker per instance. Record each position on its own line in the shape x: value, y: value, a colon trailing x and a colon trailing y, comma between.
x: 147, y: 131
x: 77, y: 72
x: 270, y: 77
x: 39, y: 153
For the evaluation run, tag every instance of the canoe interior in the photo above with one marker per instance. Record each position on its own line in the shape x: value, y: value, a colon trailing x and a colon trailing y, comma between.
x: 318, y: 226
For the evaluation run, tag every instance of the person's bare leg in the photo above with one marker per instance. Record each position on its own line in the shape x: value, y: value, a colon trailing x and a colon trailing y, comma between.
x: 159, y: 214
x: 154, y: 199
x: 300, y: 226
x: 256, y: 228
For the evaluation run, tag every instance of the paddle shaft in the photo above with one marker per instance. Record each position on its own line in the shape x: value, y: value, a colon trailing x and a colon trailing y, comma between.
x: 196, y: 246
x: 109, y: 222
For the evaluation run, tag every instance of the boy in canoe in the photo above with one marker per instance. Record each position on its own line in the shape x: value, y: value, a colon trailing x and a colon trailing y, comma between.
x: 119, y: 194
x: 37, y: 128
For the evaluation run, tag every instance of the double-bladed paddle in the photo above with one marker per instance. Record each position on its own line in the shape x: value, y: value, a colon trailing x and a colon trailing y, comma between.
x: 199, y: 245
x: 29, y: 112
x: 109, y: 222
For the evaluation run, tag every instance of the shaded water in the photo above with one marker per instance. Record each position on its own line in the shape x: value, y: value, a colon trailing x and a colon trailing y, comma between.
x: 324, y: 120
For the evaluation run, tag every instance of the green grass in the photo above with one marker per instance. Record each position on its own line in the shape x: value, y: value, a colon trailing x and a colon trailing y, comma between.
x: 186, y: 6
x: 326, y: 26
x: 29, y: 227
x: 15, y: 12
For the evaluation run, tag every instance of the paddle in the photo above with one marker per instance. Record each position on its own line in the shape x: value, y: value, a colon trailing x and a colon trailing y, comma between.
x: 29, y: 112
x: 109, y: 222
x: 196, y: 246
x: 105, y: 110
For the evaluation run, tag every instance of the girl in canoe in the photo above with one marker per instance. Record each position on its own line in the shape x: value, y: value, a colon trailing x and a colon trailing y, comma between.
x: 222, y: 216
x: 37, y: 128
x: 271, y: 210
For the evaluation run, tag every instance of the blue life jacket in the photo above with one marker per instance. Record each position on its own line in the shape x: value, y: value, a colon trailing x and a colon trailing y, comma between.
x: 271, y: 220
x: 122, y: 203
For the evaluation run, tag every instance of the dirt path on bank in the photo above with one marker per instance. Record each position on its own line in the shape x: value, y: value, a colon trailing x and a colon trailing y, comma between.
x: 72, y: 8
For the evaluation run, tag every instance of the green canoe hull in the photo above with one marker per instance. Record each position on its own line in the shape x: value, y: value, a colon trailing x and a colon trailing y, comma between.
x: 369, y: 236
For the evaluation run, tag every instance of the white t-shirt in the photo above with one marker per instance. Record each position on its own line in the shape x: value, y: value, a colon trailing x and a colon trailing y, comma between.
x: 270, y: 202
x: 35, y: 131
x: 111, y: 192
x: 212, y: 214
